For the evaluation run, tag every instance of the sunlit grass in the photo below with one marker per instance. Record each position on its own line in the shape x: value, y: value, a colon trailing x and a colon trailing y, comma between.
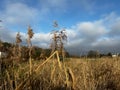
x: 77, y: 74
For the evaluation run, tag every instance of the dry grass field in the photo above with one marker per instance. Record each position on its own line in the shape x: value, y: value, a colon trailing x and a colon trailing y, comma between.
x: 72, y: 74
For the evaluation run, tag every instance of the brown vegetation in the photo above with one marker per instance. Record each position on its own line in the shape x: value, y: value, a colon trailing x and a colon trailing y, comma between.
x: 52, y: 74
x: 72, y: 74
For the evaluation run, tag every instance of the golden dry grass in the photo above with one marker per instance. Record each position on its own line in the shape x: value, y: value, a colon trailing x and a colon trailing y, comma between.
x: 73, y: 74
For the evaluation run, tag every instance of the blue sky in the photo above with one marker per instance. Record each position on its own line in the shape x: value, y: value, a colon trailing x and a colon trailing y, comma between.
x: 90, y: 24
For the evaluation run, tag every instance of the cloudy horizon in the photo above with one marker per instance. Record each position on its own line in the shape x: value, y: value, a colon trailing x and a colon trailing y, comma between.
x: 89, y: 24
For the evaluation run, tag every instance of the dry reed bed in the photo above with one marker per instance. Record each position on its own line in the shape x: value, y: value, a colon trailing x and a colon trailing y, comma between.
x: 77, y: 74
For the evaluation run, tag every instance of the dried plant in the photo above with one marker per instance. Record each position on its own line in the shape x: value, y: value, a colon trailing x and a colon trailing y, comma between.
x: 18, y: 38
x: 63, y: 37
x: 58, y: 39
x: 18, y: 41
x: 30, y: 35
x: 55, y: 24
x: 1, y: 45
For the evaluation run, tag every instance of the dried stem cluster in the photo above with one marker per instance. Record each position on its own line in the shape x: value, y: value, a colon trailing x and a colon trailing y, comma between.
x: 58, y: 39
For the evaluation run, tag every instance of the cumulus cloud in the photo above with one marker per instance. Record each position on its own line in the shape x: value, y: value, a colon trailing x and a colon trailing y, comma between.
x: 115, y: 30
x: 91, y: 29
x: 42, y: 39
x: 7, y: 35
x: 18, y: 13
x: 102, y: 35
x: 39, y: 39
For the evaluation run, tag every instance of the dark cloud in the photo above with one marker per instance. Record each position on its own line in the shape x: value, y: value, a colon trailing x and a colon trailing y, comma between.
x: 115, y: 30
x: 102, y: 35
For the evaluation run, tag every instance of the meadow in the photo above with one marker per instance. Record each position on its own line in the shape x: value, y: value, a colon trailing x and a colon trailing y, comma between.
x: 70, y: 74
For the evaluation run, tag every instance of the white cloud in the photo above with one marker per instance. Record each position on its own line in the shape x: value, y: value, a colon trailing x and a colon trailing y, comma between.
x: 72, y: 33
x: 7, y: 35
x: 91, y: 29
x: 81, y: 37
x: 18, y: 13
x: 53, y: 4
x: 96, y: 35
x: 42, y: 40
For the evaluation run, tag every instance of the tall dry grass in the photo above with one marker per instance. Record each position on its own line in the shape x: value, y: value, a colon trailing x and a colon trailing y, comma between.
x: 73, y: 74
